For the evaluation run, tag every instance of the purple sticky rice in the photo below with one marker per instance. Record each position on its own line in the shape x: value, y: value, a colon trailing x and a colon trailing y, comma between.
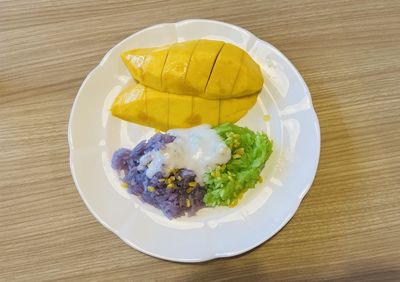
x: 182, y: 198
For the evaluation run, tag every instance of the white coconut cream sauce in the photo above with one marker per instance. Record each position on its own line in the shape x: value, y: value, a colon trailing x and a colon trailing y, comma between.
x: 198, y: 148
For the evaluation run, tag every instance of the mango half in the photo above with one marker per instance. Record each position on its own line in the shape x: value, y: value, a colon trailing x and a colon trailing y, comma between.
x: 162, y: 110
x: 209, y: 69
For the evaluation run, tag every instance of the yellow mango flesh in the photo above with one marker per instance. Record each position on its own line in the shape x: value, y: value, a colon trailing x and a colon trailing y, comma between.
x: 231, y: 110
x: 145, y: 68
x: 157, y: 109
x: 126, y: 104
x: 205, y: 111
x: 248, y: 79
x: 180, y: 111
x: 207, y: 68
x: 134, y: 60
x: 175, y: 68
x: 153, y: 66
x: 224, y: 73
x: 201, y: 64
x: 163, y: 111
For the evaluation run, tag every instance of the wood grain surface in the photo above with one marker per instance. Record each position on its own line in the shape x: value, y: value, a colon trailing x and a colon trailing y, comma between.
x: 348, y: 226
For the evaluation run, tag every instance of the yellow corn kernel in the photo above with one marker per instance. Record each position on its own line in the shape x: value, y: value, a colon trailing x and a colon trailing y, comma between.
x: 189, y: 190
x: 192, y: 184
x: 124, y: 185
x: 240, y: 151
x: 236, y: 156
x: 172, y: 178
x: 188, y: 204
x: 170, y: 186
x: 260, y: 179
x: 179, y: 178
x: 151, y: 188
x: 233, y: 203
x: 223, y: 167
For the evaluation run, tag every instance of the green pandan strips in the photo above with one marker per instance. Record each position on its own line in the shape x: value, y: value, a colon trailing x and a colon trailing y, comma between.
x: 250, y: 150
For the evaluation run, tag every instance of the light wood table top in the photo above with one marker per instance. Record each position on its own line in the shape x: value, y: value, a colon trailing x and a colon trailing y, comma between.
x: 348, y: 226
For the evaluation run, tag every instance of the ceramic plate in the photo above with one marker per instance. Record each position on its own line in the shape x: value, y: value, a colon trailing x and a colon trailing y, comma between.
x: 284, y: 111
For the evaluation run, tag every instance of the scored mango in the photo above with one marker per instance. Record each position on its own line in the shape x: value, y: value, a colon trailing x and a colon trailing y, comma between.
x: 209, y: 69
x: 162, y: 110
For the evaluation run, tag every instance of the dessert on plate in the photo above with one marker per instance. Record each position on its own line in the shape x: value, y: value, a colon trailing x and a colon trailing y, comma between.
x: 191, y: 93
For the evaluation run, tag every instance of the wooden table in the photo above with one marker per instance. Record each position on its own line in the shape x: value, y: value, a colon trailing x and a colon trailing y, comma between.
x: 348, y: 226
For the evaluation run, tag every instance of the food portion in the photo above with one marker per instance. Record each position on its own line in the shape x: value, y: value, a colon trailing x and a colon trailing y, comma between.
x: 206, y: 68
x: 183, y: 170
x: 189, y: 83
x: 175, y: 68
x: 193, y: 91
x: 228, y: 182
x: 201, y: 64
x: 174, y: 194
x: 149, y: 107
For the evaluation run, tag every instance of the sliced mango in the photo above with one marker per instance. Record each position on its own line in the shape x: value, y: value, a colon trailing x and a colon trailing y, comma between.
x: 207, y: 68
x: 205, y: 111
x: 201, y: 64
x: 144, y: 68
x: 175, y: 68
x: 225, y: 72
x: 180, y: 111
x: 161, y: 110
x: 153, y: 66
x: 157, y: 109
x: 248, y: 79
x: 126, y: 103
x: 231, y: 110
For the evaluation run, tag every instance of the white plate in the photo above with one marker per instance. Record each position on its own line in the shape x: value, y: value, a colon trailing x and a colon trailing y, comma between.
x: 214, y: 232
